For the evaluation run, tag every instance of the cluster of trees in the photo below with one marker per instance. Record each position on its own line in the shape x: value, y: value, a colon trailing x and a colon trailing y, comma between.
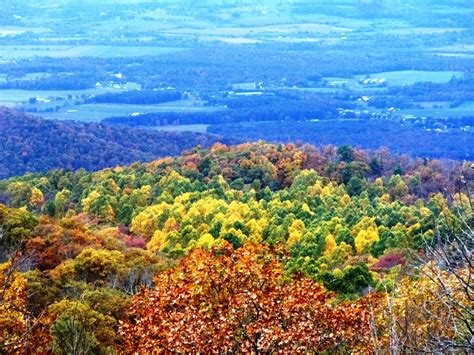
x: 137, y: 97
x: 32, y: 144
x: 56, y: 81
x: 74, y: 286
x: 250, y: 248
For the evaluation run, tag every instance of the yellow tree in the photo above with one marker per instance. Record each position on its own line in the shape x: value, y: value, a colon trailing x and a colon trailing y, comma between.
x: 13, y: 323
x: 365, y: 238
x: 330, y: 244
x: 365, y: 234
x: 295, y: 232
x: 36, y: 197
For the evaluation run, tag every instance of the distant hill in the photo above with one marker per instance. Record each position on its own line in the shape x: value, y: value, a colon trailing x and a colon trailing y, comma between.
x: 32, y: 144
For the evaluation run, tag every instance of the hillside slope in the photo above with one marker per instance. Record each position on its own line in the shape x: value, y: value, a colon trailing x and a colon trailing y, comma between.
x: 202, y: 252
x: 29, y: 143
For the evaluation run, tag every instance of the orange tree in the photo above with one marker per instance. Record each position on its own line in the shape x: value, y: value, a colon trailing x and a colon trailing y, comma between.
x: 230, y: 300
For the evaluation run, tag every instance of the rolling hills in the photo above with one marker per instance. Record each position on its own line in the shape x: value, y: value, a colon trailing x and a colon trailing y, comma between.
x: 32, y: 144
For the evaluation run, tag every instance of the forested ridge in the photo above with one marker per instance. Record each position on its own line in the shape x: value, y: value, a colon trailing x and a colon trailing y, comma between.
x: 248, y: 248
x: 32, y: 144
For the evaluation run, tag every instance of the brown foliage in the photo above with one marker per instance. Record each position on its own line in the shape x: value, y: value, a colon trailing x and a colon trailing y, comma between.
x: 227, y: 300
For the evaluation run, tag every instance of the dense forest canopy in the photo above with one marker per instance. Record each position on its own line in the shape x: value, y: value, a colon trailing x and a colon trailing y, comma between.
x: 255, y: 247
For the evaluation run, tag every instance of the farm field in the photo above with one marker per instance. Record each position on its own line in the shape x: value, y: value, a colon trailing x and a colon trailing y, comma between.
x: 17, y: 30
x: 97, y: 112
x: 466, y: 109
x: 421, y: 30
x: 9, y: 52
x: 393, y: 78
x: 408, y: 77
x: 458, y: 55
x: 198, y: 128
x: 265, y: 30
x: 456, y: 48
x: 14, y: 95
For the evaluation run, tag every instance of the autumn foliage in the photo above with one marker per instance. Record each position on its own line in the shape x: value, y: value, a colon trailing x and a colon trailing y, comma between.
x: 239, y: 301
x: 250, y: 248
x: 12, y: 308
